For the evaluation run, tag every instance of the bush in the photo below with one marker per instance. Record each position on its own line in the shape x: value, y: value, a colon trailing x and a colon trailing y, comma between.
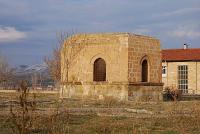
x: 172, y: 94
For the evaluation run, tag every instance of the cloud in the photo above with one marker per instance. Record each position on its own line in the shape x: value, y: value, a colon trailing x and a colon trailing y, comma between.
x: 10, y: 34
x: 179, y: 12
x: 158, y: 18
x: 141, y: 30
x: 189, y: 34
x: 185, y: 32
x: 182, y: 12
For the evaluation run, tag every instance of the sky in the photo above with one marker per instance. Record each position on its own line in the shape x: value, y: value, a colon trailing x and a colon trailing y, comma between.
x: 28, y: 28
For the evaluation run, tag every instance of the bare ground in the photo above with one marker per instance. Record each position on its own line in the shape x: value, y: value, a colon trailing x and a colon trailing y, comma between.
x: 108, y: 116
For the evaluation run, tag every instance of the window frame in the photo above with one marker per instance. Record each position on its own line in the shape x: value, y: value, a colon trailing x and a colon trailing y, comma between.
x: 183, y: 78
x: 164, y: 69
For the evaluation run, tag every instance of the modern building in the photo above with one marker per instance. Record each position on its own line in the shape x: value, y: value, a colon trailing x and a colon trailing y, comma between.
x: 119, y: 65
x: 181, y: 69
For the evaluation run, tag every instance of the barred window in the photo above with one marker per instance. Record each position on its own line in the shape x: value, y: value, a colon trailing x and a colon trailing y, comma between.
x: 183, y: 78
x: 144, y: 71
x: 99, y: 70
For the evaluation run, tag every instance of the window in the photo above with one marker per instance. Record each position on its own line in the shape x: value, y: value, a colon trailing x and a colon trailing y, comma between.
x: 99, y: 73
x: 164, y: 71
x: 144, y: 71
x: 183, y: 78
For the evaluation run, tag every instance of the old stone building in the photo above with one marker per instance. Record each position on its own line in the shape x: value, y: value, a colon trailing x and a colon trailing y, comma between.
x: 181, y: 69
x: 121, y: 65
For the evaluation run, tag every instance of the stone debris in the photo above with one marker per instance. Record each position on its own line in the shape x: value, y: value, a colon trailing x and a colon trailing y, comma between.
x: 139, y: 111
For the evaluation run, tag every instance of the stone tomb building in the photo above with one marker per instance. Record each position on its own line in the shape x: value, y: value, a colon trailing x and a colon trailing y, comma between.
x: 124, y: 66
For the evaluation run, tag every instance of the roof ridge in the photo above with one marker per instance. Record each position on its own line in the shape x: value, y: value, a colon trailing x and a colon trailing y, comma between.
x: 190, y: 54
x: 182, y: 49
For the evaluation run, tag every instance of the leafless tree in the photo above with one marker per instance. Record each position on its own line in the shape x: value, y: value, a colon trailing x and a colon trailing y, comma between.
x: 54, y: 61
x: 22, y: 115
x: 70, y: 51
x: 34, y: 80
x: 67, y: 49
x: 6, y: 73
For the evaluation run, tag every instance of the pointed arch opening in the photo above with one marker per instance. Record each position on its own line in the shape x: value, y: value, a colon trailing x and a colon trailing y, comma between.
x: 145, y: 71
x: 99, y: 71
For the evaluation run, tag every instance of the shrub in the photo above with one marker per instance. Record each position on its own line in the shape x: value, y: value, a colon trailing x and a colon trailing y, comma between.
x: 171, y: 93
x: 23, y: 114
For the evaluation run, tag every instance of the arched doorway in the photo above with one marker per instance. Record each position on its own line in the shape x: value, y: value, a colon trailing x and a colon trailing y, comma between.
x: 144, y: 71
x: 99, y: 73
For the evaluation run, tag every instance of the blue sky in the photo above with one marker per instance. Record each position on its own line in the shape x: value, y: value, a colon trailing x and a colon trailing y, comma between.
x: 28, y: 27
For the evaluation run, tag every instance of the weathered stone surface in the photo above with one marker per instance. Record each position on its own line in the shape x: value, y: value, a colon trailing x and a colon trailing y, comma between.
x: 123, y: 54
x: 145, y: 93
x: 140, y: 48
x: 120, y: 91
x: 98, y: 91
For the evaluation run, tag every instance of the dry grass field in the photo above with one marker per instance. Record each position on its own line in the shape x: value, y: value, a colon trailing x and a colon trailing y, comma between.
x: 74, y: 116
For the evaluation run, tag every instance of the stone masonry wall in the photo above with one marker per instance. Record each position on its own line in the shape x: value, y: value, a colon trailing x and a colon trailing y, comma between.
x: 95, y: 91
x: 145, y: 93
x: 117, y: 91
x: 143, y: 47
x: 113, y: 48
x: 122, y: 53
x: 198, y: 77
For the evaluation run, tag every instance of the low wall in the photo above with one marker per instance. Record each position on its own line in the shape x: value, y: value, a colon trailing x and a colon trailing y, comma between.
x: 32, y: 91
x: 99, y: 91
x: 145, y: 93
x: 125, y: 92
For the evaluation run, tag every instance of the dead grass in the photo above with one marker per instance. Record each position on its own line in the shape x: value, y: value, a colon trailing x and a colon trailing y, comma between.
x: 167, y: 117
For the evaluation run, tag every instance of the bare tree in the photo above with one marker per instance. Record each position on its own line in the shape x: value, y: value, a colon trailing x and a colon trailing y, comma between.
x: 54, y: 61
x: 70, y: 50
x: 23, y: 115
x: 67, y: 49
x: 6, y: 72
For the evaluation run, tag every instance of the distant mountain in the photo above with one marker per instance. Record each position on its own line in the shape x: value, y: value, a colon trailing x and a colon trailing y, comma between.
x: 35, y: 75
x: 38, y: 68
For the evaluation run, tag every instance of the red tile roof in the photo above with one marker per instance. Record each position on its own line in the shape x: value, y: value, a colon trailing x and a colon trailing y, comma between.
x: 190, y: 54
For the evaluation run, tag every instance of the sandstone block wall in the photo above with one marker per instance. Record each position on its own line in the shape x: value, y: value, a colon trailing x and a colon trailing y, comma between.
x: 122, y: 53
x: 113, y: 48
x: 118, y: 91
x: 142, y: 47
x: 95, y: 91
x: 145, y: 93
